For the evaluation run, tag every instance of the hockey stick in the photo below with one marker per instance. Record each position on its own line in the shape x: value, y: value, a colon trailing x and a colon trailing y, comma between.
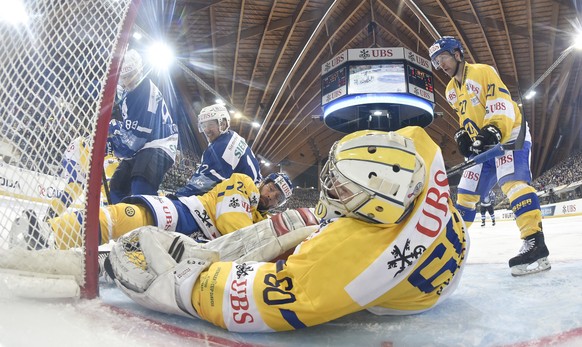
x: 491, y: 153
x: 106, y: 187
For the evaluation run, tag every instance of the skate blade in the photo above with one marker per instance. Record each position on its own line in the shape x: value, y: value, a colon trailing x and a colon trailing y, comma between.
x: 539, y: 265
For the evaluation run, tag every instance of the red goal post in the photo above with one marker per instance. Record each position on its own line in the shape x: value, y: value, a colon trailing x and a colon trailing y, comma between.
x: 60, y: 61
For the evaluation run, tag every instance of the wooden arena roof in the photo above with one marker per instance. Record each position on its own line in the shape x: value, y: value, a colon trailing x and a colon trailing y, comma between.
x: 263, y: 58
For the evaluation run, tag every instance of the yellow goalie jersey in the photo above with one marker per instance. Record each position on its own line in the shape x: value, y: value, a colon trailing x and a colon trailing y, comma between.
x: 230, y: 205
x: 347, y: 265
x: 481, y: 99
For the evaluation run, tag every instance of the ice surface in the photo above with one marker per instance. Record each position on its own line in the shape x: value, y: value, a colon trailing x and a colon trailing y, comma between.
x: 490, y: 308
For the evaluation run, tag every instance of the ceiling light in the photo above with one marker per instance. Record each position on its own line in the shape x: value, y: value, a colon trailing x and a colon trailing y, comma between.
x: 530, y: 94
x: 578, y: 41
x: 160, y: 55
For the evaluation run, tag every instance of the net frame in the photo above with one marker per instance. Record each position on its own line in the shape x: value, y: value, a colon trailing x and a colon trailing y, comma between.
x: 55, y: 33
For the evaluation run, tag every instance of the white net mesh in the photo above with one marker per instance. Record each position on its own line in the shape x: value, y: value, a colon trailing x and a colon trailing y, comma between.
x: 55, y: 62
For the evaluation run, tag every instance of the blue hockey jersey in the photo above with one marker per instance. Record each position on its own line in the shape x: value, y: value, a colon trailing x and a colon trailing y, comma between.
x: 228, y: 154
x: 146, y: 123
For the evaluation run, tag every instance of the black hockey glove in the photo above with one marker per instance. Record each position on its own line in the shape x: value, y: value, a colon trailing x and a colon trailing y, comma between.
x: 488, y: 136
x: 116, y: 112
x: 464, y: 142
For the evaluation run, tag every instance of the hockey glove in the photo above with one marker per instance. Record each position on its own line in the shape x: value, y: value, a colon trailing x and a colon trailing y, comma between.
x: 158, y: 269
x: 464, y: 142
x: 488, y: 136
x: 116, y: 113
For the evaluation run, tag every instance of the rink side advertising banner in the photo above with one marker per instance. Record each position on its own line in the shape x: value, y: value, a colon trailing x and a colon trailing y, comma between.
x: 29, y: 185
x: 561, y: 209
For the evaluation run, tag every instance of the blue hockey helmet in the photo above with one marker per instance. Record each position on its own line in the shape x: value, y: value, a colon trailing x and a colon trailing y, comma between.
x: 444, y: 44
x: 283, y: 183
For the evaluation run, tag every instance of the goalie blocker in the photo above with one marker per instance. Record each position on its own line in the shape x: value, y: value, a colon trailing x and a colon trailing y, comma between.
x: 158, y: 269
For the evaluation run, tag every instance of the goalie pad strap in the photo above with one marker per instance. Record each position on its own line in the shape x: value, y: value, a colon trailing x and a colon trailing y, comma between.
x: 162, y: 208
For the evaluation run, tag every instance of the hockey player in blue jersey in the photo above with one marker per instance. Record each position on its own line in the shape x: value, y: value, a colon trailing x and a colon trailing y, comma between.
x: 487, y: 203
x: 146, y: 138
x: 227, y: 153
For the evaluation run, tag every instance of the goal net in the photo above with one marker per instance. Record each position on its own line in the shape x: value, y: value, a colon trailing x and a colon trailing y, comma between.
x: 60, y: 61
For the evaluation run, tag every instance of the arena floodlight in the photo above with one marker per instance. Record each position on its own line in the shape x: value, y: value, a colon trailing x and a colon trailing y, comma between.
x: 578, y: 41
x: 160, y: 56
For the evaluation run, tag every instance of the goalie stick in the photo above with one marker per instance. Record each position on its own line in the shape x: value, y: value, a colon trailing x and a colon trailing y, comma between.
x: 492, y: 152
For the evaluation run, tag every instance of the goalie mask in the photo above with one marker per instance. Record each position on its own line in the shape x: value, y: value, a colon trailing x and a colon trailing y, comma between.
x: 131, y: 70
x: 373, y: 176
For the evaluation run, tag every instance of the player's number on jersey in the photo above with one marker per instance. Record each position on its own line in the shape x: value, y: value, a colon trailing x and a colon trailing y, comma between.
x: 463, y: 106
x: 436, y: 263
x: 131, y: 124
x: 277, y: 290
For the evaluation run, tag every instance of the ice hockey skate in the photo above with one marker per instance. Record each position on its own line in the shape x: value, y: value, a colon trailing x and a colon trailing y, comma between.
x: 482, y: 223
x: 532, y: 257
x: 27, y: 232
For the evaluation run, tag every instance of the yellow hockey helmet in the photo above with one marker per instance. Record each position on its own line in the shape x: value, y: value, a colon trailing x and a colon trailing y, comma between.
x: 371, y: 175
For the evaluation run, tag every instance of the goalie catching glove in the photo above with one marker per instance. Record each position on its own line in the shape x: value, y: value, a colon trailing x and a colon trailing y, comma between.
x: 158, y: 269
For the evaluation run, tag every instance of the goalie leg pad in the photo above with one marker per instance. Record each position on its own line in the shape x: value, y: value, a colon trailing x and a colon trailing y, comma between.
x: 266, y: 240
x: 158, y: 269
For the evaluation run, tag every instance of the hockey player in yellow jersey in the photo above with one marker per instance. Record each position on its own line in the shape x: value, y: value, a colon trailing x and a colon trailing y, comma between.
x: 233, y: 204
x: 75, y: 164
x: 488, y: 116
x: 390, y: 241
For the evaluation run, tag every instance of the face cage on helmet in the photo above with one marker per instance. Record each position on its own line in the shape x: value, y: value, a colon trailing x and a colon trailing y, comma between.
x: 329, y: 176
